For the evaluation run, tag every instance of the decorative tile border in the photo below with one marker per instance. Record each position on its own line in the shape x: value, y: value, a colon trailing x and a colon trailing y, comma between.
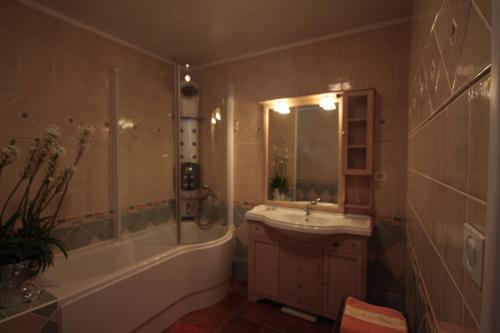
x: 39, y: 316
x: 78, y: 232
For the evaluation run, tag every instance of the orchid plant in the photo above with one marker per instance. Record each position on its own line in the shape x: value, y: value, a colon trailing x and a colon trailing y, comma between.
x: 279, y: 178
x: 27, y: 223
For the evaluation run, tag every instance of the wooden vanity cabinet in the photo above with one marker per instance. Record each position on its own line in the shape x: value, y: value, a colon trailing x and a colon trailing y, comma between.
x: 311, y: 273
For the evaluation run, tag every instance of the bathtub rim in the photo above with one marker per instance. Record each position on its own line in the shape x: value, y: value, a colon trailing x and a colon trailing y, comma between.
x: 134, y: 269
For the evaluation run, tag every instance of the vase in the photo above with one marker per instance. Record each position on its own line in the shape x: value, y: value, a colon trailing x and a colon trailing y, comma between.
x: 18, y: 284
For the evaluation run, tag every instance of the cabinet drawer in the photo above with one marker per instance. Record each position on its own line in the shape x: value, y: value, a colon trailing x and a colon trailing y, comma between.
x: 301, y: 260
x: 348, y: 243
x: 300, y: 284
x: 303, y: 301
x: 257, y: 229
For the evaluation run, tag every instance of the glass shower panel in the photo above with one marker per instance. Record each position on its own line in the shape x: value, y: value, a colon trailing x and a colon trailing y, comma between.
x: 203, y: 180
x: 145, y: 154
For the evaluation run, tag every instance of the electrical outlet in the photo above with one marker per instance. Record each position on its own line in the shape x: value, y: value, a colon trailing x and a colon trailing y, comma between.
x: 380, y: 177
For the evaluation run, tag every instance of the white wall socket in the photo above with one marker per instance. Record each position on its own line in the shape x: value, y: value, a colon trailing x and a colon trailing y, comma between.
x: 380, y: 176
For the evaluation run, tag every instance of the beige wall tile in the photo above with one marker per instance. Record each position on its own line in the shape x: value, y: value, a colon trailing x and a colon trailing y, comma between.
x: 450, y: 29
x: 438, y: 83
x: 456, y: 142
x: 478, y: 146
x: 484, y: 8
x: 476, y: 49
x: 9, y: 41
x: 10, y: 74
x: 476, y: 214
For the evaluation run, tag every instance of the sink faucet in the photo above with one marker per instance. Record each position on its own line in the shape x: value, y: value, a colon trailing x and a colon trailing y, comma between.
x: 309, y: 206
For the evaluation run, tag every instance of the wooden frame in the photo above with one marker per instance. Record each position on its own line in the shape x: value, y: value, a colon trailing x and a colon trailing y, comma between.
x: 293, y: 102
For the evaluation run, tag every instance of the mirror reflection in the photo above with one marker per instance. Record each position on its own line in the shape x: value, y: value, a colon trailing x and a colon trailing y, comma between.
x: 303, y: 161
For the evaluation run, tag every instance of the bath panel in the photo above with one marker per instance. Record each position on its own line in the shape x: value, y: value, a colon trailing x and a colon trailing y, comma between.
x: 141, y: 282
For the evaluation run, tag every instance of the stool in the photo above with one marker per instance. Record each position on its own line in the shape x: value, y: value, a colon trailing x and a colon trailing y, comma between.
x: 356, y: 316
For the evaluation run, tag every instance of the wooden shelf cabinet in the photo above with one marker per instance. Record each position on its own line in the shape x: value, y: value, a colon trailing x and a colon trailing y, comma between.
x: 309, y: 273
x: 358, y: 150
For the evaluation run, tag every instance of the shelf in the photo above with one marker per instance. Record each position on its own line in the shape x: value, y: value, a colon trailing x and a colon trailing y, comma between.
x: 356, y: 206
x: 353, y: 120
x: 357, y: 172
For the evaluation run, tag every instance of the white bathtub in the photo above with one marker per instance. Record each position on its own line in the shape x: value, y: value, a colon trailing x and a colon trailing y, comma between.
x: 142, y: 283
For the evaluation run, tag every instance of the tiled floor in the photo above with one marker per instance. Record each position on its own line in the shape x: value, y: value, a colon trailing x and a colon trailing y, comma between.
x: 234, y: 314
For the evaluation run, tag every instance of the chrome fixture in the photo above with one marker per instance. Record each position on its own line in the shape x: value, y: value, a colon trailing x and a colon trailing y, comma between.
x: 310, y: 205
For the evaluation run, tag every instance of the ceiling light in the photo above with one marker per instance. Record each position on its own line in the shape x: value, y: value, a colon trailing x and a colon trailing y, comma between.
x: 213, y: 120
x: 187, y: 78
x: 327, y: 103
x: 281, y: 107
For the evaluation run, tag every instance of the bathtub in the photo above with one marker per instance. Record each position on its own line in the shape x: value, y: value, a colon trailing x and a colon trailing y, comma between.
x: 142, y: 283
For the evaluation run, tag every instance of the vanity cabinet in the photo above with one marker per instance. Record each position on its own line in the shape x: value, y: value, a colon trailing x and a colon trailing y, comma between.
x: 305, y: 271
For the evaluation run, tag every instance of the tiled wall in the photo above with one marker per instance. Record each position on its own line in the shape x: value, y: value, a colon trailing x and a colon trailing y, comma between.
x: 53, y: 72
x: 373, y: 59
x: 447, y: 152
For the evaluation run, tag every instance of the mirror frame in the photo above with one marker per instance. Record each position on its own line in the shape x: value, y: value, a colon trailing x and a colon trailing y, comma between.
x: 266, y: 106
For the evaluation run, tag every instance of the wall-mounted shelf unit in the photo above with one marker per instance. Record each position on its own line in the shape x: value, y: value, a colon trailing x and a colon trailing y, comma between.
x: 358, y: 150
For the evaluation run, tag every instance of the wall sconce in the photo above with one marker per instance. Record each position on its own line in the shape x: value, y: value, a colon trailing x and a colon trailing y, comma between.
x: 327, y: 103
x: 281, y: 107
x: 216, y: 116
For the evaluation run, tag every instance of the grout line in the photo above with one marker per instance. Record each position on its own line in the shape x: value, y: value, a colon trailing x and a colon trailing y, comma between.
x: 441, y: 59
x: 465, y: 194
x: 481, y: 15
x: 454, y: 95
x: 431, y: 242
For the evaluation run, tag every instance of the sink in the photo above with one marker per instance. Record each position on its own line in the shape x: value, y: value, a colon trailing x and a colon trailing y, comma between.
x: 326, y: 223
x: 312, y: 219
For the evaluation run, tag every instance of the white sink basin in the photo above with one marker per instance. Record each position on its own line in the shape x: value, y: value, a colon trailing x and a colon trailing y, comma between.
x: 293, y: 219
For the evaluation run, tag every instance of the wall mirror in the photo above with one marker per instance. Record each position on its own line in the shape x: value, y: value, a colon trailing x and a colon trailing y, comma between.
x: 303, y: 138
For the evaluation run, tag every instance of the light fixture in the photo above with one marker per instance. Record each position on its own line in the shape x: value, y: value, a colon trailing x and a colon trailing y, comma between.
x: 213, y: 120
x: 327, y: 103
x: 281, y: 107
x: 187, y: 77
x: 187, y: 65
x: 217, y: 116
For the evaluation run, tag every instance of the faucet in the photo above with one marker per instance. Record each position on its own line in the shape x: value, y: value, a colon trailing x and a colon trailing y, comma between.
x: 309, y: 206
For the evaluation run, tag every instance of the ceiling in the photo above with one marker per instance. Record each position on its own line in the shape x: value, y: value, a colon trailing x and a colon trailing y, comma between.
x: 206, y: 31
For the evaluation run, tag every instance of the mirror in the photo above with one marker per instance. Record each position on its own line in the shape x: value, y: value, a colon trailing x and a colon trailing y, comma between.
x: 303, y: 149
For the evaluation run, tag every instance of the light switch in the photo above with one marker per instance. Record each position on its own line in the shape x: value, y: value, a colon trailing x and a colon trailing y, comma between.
x: 473, y: 253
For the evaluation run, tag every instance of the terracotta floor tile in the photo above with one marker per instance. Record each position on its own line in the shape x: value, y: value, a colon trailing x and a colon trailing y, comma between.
x: 240, y: 325
x: 239, y: 286
x: 286, y: 323
x: 208, y: 319
x: 183, y: 328
x: 232, y: 302
x: 267, y: 329
x: 321, y: 326
x: 259, y: 312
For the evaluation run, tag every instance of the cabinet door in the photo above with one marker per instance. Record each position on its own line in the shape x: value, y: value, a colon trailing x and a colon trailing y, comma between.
x: 343, y: 276
x: 264, y: 274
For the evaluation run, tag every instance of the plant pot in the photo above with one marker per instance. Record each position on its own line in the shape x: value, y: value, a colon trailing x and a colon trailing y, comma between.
x: 18, y: 284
